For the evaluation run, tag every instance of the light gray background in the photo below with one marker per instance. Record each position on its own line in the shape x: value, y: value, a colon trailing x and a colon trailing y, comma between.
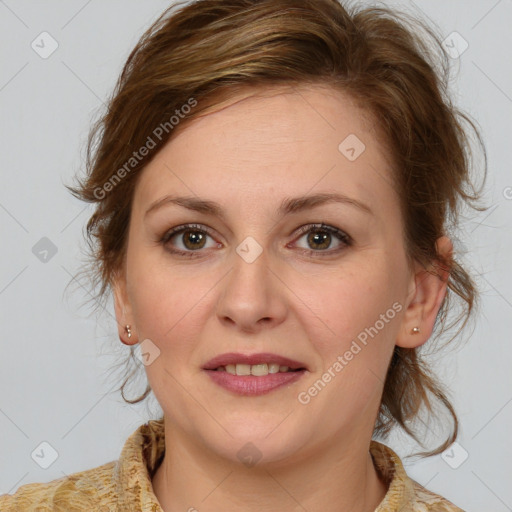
x: 55, y: 379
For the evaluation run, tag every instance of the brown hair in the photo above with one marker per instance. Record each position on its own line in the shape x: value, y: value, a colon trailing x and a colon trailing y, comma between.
x: 194, y: 54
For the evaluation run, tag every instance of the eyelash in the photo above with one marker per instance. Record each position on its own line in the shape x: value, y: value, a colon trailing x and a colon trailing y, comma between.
x: 340, y: 235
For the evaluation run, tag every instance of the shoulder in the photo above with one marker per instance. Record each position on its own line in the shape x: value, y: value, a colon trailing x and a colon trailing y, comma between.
x: 79, y: 491
x: 404, y: 494
x: 430, y: 502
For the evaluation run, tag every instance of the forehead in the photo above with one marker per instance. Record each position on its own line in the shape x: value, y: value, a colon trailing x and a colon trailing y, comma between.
x: 273, y: 141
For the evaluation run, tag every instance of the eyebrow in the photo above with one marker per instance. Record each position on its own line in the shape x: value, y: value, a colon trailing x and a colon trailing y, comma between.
x: 288, y: 206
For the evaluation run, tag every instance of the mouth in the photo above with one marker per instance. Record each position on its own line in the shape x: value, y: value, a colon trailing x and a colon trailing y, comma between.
x: 255, y: 374
x: 256, y: 364
x: 257, y: 370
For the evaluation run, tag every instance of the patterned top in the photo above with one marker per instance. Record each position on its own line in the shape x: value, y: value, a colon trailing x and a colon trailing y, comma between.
x: 125, y: 485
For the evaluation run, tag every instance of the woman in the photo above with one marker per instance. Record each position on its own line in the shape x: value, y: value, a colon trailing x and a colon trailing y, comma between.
x: 273, y: 181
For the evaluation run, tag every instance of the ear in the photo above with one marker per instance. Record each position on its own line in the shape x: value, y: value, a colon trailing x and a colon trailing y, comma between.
x: 123, y: 309
x: 428, y: 289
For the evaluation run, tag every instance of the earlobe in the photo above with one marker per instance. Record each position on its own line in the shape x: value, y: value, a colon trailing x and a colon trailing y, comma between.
x: 429, y: 289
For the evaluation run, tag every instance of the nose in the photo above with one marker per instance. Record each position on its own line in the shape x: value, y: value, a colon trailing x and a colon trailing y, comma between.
x: 252, y: 297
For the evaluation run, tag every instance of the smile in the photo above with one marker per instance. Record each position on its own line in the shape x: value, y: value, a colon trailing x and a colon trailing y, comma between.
x: 258, y: 370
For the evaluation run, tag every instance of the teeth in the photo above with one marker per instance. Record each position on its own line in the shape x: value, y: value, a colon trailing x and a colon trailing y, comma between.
x: 273, y: 368
x: 258, y: 370
x: 243, y: 369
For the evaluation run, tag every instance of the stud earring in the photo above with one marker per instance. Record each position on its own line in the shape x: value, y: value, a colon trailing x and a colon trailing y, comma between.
x: 128, y: 331
x: 415, y: 330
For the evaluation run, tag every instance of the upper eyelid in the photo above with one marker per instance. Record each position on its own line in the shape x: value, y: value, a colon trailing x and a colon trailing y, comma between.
x: 319, y: 226
x: 168, y: 234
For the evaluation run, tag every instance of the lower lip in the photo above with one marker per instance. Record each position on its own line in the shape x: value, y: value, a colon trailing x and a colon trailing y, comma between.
x: 249, y: 385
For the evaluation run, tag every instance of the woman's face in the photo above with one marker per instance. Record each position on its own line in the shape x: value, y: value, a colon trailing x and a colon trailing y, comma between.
x: 249, y: 270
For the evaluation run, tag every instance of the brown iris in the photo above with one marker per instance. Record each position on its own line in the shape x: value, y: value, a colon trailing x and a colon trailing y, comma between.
x: 193, y: 239
x: 322, y: 239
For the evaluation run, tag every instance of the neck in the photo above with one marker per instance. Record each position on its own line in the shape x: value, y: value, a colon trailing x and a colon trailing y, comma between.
x: 332, y: 479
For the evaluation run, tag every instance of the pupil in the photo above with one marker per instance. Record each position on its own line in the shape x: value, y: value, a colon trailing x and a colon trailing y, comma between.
x: 194, y: 239
x: 320, y: 238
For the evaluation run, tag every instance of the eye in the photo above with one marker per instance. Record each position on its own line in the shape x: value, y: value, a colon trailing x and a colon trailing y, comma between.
x: 320, y: 237
x: 187, y: 239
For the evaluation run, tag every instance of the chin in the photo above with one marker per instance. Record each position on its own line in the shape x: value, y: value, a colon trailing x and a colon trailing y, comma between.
x: 257, y: 444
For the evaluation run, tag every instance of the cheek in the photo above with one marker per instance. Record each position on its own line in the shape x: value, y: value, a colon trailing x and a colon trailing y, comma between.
x: 345, y: 305
x: 169, y: 304
x: 352, y: 325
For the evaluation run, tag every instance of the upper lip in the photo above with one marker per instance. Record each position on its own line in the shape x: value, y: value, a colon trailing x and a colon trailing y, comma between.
x: 263, y: 357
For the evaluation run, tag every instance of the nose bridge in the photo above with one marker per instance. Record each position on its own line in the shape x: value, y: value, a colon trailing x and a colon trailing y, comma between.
x: 251, y: 294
